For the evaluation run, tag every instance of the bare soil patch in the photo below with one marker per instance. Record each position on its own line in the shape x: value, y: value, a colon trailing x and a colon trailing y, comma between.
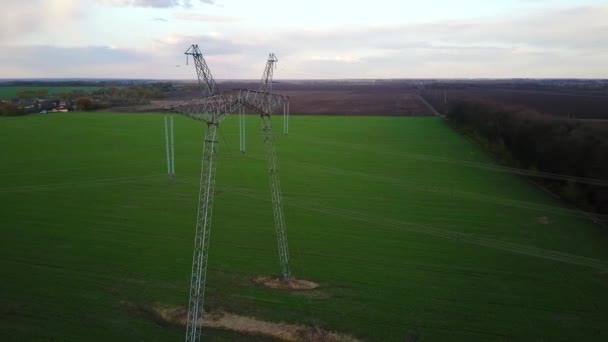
x: 349, y: 98
x: 543, y: 220
x: 177, y: 316
x: 345, y: 101
x: 290, y: 285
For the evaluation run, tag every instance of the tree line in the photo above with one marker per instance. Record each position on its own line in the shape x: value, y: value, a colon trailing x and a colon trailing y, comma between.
x: 137, y: 94
x: 105, y: 97
x: 10, y: 109
x: 526, y: 139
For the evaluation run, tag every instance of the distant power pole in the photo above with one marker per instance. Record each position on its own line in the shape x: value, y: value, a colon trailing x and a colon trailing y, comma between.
x: 242, y: 128
x: 167, y: 147
x: 286, y: 117
x: 170, y: 146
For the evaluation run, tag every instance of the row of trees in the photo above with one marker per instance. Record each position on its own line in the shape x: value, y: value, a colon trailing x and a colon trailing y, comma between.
x: 137, y: 94
x: 32, y: 94
x: 37, y: 99
x: 10, y: 109
x: 526, y: 139
x: 82, y: 103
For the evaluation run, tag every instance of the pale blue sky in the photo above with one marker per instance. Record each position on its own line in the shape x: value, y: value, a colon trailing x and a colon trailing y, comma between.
x: 313, y: 39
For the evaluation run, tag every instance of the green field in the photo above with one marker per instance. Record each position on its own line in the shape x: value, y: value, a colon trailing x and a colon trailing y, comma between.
x: 9, y: 92
x: 401, y: 220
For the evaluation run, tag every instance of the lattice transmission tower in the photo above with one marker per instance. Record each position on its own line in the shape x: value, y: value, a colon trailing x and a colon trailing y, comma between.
x: 212, y: 108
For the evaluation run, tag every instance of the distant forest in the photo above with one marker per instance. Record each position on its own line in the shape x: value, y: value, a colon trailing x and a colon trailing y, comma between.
x: 542, y: 144
x: 72, y: 83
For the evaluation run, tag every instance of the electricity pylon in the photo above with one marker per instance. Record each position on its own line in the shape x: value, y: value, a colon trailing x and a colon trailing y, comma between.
x: 212, y: 108
x: 263, y: 102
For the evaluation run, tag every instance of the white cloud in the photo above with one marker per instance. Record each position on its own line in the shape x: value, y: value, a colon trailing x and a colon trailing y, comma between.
x: 140, y: 3
x: 18, y: 18
x: 532, y: 44
x: 211, y: 43
x: 345, y: 59
x: 151, y: 3
x: 204, y: 17
x: 70, y: 61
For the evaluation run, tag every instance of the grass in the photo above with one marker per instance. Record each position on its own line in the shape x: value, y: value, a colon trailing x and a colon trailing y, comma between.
x: 10, y: 92
x: 406, y: 234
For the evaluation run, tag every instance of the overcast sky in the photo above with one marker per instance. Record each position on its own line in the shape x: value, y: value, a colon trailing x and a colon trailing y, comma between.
x: 312, y: 38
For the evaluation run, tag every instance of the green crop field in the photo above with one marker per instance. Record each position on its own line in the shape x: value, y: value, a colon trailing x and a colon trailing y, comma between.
x: 411, y: 231
x: 9, y: 92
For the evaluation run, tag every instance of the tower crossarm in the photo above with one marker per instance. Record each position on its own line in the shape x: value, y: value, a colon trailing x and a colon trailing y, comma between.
x: 262, y: 102
x: 201, y: 109
x: 211, y: 109
x: 216, y: 108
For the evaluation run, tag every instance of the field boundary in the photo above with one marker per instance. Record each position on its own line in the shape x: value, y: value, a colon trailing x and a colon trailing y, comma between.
x: 430, y: 106
x: 593, y: 218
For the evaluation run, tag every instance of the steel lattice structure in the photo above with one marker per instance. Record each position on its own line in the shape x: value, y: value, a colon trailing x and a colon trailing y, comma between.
x: 212, y: 108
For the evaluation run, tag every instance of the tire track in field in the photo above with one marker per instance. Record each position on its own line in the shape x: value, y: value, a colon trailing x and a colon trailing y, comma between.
x: 443, y: 190
x: 95, y: 182
x: 479, y: 165
x: 469, y: 238
x: 391, y: 224
x: 462, y: 194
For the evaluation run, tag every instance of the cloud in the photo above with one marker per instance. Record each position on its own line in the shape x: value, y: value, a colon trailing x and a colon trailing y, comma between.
x: 533, y: 43
x: 226, y: 57
x: 345, y: 59
x: 63, y: 57
x: 586, y: 28
x: 152, y: 3
x: 90, y: 61
x: 211, y: 18
x: 17, y: 21
x: 141, y: 3
x: 570, y: 28
x: 210, y: 44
